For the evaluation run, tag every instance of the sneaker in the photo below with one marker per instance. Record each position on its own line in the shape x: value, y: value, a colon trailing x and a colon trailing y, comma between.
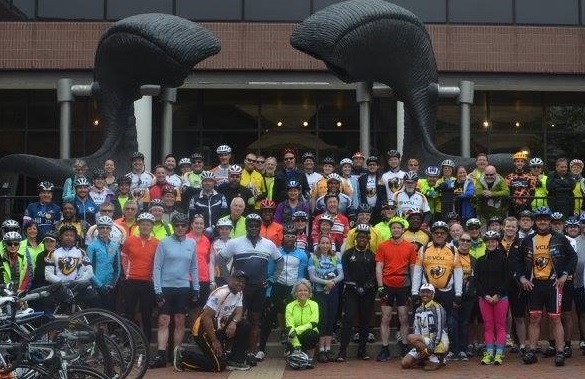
x: 322, y: 357
x: 487, y: 359
x: 469, y: 351
x: 363, y: 354
x: 283, y: 338
x: 236, y: 366
x: 568, y: 351
x: 498, y: 359
x: 530, y: 357
x: 582, y: 345
x: 522, y: 350
x: 371, y: 338
x: 158, y: 361
x: 431, y: 366
x: 260, y: 356
x: 356, y: 338
x: 341, y: 357
x: 451, y: 356
x: 178, y: 359
x: 560, y: 359
x: 550, y: 352
x: 462, y: 356
x: 383, y: 355
x: 251, y: 359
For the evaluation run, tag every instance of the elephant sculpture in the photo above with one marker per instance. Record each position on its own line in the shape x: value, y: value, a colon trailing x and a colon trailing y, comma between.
x: 377, y: 41
x: 156, y: 49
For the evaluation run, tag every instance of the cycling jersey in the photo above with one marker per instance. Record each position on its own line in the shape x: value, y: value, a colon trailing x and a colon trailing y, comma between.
x: 105, y: 262
x: 440, y: 266
x: 67, y: 264
x: 274, y: 232
x: 18, y: 269
x: 405, y: 201
x: 86, y: 209
x: 224, y: 303
x: 100, y: 196
x: 211, y: 205
x: 203, y: 256
x: 397, y: 258
x: 140, y: 181
x: 117, y: 234
x: 174, y: 263
x: 251, y: 258
x: 294, y: 268
x: 220, y: 174
x: 323, y: 268
x: 301, y: 318
x: 138, y: 257
x: 522, y: 186
x: 430, y: 322
x: 392, y: 181
x: 44, y: 215
x: 192, y: 179
x: 418, y: 238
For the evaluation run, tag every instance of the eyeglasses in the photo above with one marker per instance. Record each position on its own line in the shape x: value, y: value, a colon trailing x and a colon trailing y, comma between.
x: 464, y: 240
x: 12, y: 243
x: 260, y: 162
x: 104, y: 227
x: 439, y: 232
x: 490, y: 174
x: 251, y: 160
x: 289, y: 158
x: 180, y: 225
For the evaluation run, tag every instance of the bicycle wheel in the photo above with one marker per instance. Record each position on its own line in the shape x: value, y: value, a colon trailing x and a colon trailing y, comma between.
x: 78, y: 343
x: 142, y: 346
x: 25, y: 371
x: 79, y: 372
x: 116, y: 328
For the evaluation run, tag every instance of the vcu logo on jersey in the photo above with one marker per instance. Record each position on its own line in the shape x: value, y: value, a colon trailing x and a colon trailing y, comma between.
x: 394, y: 184
x: 541, y: 263
x: 68, y: 265
x: 437, y: 271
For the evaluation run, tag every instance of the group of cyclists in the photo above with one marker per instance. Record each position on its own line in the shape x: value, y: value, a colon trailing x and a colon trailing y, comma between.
x: 469, y: 260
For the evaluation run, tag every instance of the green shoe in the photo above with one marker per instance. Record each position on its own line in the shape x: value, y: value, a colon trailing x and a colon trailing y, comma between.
x: 487, y: 358
x: 498, y: 359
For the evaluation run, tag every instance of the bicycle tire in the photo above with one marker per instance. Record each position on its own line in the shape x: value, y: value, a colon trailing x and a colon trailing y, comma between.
x: 80, y: 372
x: 97, y: 317
x: 100, y: 353
x: 142, y: 345
x: 26, y: 371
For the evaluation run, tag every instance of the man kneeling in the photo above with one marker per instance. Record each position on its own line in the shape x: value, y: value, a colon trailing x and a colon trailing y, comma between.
x: 219, y: 323
x: 429, y: 341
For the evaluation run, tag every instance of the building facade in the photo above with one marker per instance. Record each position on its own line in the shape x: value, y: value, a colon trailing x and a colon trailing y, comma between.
x: 526, y: 58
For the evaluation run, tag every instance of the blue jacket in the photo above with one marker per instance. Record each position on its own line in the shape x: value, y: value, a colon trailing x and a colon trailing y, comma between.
x: 86, y: 210
x: 105, y: 261
x: 295, y: 267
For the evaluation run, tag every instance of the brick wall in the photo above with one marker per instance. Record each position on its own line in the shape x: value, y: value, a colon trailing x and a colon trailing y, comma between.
x: 265, y: 46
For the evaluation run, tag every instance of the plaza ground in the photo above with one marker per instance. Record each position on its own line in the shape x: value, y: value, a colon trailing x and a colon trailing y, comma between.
x: 276, y: 369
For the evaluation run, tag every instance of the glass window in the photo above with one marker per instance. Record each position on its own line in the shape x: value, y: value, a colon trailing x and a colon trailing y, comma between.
x: 12, y: 143
x: 71, y: 9
x: 13, y: 110
x: 559, y: 12
x: 481, y: 11
x: 45, y: 144
x: 43, y: 110
x: 515, y: 112
x: 223, y: 10
x: 277, y: 10
x: 25, y: 7
x: 119, y: 9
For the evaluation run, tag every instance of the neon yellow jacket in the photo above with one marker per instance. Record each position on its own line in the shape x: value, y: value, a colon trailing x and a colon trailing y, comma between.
x: 300, y: 318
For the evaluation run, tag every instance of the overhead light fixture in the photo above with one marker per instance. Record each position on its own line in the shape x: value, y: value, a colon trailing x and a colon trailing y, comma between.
x: 517, y: 124
x: 486, y: 124
x: 279, y: 123
x: 305, y: 123
x: 96, y: 122
x: 339, y: 124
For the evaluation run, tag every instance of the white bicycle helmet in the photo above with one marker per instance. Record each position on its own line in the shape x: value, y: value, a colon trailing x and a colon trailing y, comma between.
x: 105, y: 221
x: 224, y: 222
x: 298, y: 360
x: 536, y: 161
x: 235, y: 169
x: 223, y: 149
x: 145, y: 216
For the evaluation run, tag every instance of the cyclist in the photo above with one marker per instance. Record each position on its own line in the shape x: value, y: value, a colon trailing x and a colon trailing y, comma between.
x: 45, y: 213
